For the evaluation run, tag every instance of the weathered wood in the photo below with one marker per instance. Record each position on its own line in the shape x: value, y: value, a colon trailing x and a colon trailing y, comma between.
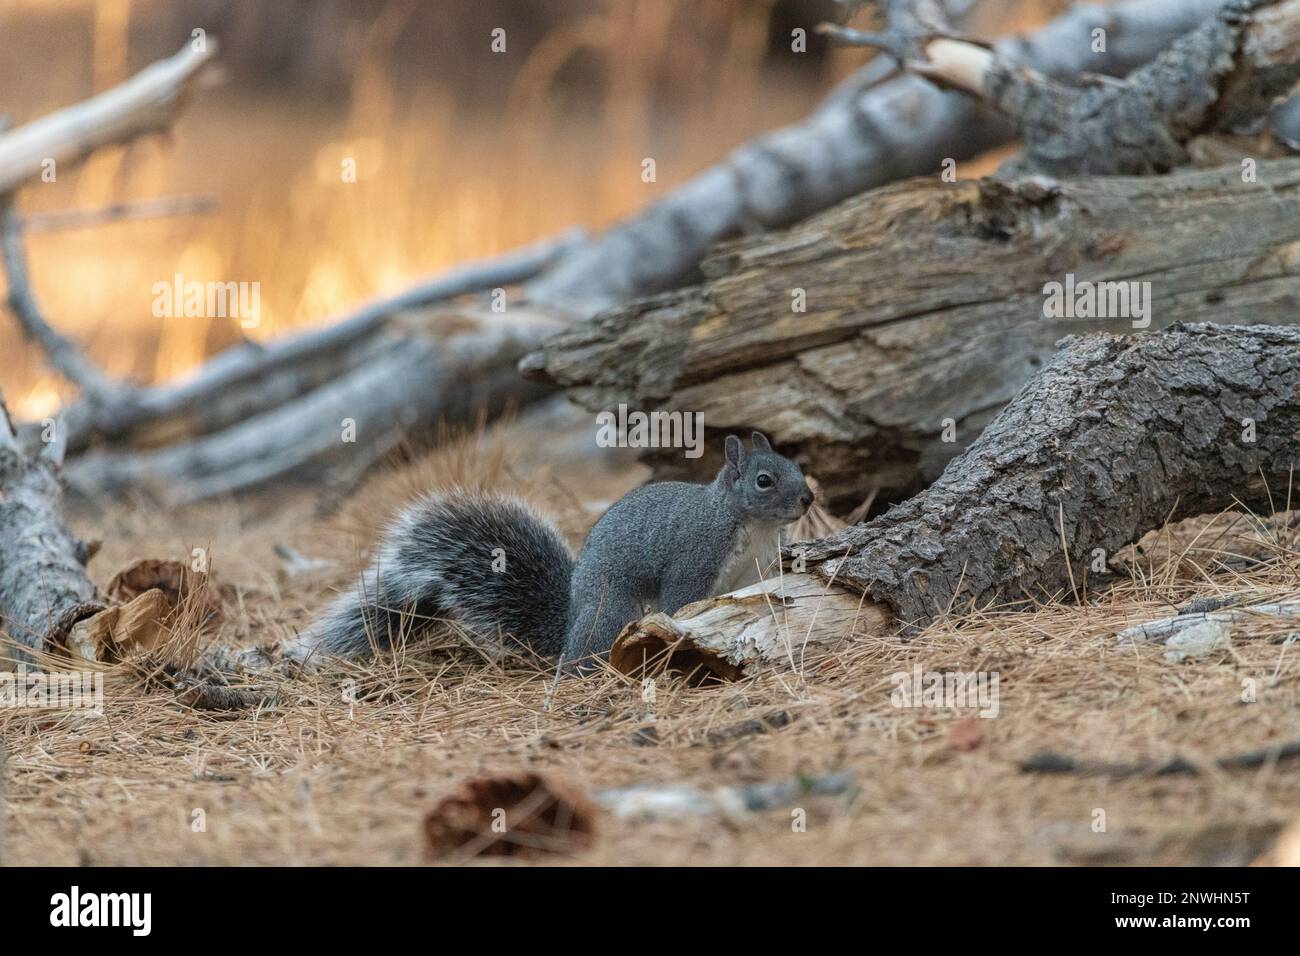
x: 1221, y: 77
x: 143, y: 104
x: 786, y: 621
x: 44, y: 589
x: 447, y: 366
x: 925, y: 306
x: 252, y: 378
x: 1118, y: 435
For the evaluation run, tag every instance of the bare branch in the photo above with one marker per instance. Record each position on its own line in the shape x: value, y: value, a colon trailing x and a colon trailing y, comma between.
x: 143, y: 104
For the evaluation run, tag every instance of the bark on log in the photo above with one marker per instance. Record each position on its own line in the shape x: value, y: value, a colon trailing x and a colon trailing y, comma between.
x: 1118, y: 435
x: 1115, y: 437
x: 925, y: 303
x: 44, y: 589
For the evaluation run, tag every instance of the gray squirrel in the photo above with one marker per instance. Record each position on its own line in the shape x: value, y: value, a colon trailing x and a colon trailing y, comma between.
x: 488, y: 562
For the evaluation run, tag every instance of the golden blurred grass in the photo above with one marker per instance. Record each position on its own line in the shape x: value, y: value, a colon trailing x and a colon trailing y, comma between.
x: 437, y: 183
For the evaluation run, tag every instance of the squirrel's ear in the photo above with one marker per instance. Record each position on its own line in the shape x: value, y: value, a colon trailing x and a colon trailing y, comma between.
x: 735, y: 453
x: 760, y: 442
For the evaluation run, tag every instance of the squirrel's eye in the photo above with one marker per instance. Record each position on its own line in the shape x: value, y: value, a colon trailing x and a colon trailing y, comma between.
x: 764, y: 480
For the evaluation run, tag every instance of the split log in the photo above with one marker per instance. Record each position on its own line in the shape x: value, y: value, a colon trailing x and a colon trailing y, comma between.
x: 925, y: 313
x: 1115, y: 437
x: 44, y: 590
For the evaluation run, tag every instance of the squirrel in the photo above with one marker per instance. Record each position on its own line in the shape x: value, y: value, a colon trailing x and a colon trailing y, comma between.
x: 486, y: 561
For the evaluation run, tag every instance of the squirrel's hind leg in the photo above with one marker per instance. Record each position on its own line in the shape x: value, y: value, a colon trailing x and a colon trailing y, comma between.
x: 597, y: 622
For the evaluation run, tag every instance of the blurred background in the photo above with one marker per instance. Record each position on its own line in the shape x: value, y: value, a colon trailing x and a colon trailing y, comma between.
x: 460, y: 152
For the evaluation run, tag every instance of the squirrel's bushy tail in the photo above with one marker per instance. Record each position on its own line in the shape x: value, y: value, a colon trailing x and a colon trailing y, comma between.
x: 481, y: 559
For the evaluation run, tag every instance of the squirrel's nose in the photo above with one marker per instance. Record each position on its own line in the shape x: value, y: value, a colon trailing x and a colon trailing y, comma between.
x: 806, y: 498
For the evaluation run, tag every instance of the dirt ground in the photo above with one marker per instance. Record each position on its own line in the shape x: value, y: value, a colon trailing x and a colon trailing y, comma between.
x: 314, y: 778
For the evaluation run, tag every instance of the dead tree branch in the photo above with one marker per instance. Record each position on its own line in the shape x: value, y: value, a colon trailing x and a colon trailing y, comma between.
x: 449, y: 366
x: 64, y: 354
x: 253, y: 378
x: 162, y: 207
x: 866, y: 134
x: 143, y: 104
x: 1222, y: 77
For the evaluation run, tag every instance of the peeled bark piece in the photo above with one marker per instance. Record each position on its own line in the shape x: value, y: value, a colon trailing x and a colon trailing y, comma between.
x: 188, y: 593
x: 785, y: 621
x: 1117, y: 436
x: 136, y: 627
x: 925, y: 303
x: 523, y: 814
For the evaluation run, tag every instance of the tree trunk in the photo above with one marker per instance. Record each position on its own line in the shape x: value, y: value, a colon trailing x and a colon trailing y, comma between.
x: 925, y: 306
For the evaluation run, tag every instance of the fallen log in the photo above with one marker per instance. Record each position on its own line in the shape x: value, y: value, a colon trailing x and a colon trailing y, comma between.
x: 446, y: 366
x: 925, y: 312
x: 1118, y: 435
x: 44, y: 589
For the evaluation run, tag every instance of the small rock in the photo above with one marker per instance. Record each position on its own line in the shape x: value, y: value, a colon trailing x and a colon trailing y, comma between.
x: 1198, y: 640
